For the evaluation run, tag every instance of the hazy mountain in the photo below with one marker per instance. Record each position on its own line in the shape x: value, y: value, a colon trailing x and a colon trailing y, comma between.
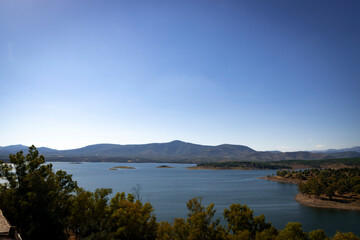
x: 16, y: 148
x: 12, y: 148
x: 174, y: 151
x: 353, y: 149
x: 348, y: 154
x: 5, y: 151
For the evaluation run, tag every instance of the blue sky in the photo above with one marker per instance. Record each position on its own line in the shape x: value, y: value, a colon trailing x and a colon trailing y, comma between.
x: 271, y: 75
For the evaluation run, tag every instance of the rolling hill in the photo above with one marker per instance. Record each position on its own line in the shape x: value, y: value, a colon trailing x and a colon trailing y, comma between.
x: 175, y: 151
x: 353, y: 149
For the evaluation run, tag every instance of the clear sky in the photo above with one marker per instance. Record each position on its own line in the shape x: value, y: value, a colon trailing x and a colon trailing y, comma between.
x: 272, y: 75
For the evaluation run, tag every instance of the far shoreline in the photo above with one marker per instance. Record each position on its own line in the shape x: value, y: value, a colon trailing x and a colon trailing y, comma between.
x: 164, y: 166
x: 281, y: 179
x: 218, y: 168
x: 121, y: 167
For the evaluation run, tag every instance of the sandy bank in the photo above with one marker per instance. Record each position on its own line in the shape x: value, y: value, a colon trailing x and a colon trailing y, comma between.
x: 336, y: 203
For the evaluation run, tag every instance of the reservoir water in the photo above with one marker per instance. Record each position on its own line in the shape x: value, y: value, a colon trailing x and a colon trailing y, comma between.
x: 169, y: 189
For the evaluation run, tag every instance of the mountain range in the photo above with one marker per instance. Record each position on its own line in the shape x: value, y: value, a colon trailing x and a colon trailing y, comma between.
x: 353, y: 149
x: 177, y: 151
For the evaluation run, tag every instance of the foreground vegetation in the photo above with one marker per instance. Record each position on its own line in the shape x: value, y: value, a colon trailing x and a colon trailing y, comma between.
x: 49, y: 205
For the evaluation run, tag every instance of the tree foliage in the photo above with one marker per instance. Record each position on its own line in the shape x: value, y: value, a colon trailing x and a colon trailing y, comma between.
x: 241, y: 219
x: 89, y: 214
x: 130, y: 219
x: 293, y: 230
x: 198, y: 225
x: 34, y: 198
x: 345, y: 236
x: 327, y: 182
x: 318, y: 234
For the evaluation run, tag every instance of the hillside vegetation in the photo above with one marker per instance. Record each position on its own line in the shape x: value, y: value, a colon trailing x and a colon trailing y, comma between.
x: 344, y: 182
x: 284, y: 164
x: 175, y: 151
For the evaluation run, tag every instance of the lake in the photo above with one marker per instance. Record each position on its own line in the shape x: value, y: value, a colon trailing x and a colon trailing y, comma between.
x: 169, y: 189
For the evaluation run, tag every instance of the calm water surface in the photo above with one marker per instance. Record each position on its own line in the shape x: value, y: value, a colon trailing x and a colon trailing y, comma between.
x: 169, y: 189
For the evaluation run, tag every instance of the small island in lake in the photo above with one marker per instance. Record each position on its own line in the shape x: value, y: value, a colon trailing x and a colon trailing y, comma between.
x: 164, y: 166
x: 121, y: 167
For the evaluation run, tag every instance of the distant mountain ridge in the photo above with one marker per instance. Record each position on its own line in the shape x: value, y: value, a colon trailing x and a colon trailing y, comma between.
x: 172, y: 149
x: 353, y: 149
x: 176, y: 151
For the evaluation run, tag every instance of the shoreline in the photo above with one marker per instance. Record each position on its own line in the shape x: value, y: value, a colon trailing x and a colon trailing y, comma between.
x: 164, y: 166
x: 341, y: 203
x: 281, y: 179
x: 218, y: 168
x: 121, y: 167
